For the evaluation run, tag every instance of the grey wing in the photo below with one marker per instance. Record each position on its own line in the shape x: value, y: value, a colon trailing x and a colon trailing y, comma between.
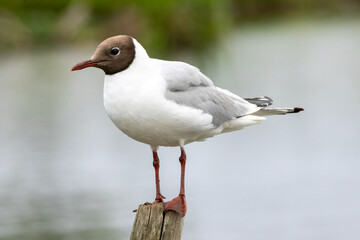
x: 260, y: 101
x: 186, y: 85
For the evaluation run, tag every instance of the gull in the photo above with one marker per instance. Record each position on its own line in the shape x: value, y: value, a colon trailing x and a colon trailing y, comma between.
x: 169, y: 103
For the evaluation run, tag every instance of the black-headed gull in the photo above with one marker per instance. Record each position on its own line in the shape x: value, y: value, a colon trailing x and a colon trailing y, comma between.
x: 169, y: 103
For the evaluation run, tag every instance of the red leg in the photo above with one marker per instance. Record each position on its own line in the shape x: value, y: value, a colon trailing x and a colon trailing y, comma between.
x: 178, y: 204
x: 156, y: 163
x: 182, y: 161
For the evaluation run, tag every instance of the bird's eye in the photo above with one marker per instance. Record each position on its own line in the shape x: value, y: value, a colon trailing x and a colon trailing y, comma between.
x: 115, y: 51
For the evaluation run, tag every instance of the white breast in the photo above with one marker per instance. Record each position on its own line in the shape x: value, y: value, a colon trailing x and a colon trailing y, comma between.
x: 134, y: 100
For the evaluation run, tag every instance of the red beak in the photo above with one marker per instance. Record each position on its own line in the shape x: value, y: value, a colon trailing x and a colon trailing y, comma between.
x: 84, y: 64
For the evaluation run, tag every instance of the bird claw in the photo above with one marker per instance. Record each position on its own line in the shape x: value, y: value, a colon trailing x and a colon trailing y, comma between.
x: 159, y: 199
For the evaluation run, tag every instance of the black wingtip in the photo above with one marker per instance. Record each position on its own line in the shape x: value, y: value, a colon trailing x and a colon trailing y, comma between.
x: 297, y: 109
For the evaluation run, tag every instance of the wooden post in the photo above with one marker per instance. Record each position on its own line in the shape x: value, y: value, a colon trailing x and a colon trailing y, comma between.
x: 153, y: 223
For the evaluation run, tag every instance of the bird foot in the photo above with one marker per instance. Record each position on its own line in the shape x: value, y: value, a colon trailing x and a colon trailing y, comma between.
x: 177, y: 204
x: 159, y: 199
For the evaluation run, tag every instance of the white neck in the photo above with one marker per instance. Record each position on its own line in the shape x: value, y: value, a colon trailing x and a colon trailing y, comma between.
x: 140, y: 52
x: 141, y: 60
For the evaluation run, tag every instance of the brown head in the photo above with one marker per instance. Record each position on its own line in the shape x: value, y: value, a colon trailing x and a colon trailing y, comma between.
x: 113, y: 55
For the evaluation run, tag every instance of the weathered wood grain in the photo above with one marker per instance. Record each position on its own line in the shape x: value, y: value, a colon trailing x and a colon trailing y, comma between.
x: 153, y: 223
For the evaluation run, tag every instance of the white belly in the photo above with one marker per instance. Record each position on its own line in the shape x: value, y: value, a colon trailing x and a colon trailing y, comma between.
x: 137, y: 106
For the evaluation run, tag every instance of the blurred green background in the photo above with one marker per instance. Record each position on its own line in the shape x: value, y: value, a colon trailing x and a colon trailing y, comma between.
x: 163, y: 25
x: 67, y: 173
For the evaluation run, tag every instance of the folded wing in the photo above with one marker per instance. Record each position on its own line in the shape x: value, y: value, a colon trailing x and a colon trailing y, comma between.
x: 186, y: 85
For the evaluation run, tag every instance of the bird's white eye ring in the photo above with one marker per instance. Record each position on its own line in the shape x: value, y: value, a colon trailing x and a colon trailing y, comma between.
x: 115, y: 51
